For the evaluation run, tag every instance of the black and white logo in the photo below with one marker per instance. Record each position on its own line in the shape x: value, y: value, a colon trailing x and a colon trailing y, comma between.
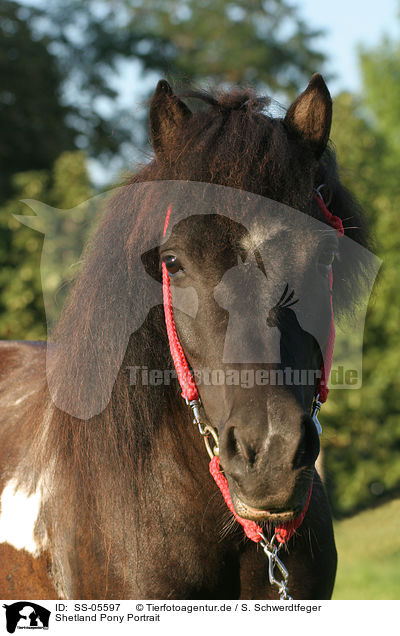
x: 26, y: 615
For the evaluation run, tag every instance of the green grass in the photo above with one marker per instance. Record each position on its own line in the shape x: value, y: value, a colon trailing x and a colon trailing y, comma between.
x: 368, y: 548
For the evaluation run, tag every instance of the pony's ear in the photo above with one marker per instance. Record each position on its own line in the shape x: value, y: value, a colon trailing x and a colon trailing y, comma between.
x: 310, y: 115
x: 167, y: 115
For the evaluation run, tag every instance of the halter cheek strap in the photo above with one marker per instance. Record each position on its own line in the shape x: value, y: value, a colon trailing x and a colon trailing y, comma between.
x: 185, y: 378
x: 322, y: 391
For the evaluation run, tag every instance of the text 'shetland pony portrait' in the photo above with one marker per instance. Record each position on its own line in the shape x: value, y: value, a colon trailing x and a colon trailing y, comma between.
x: 221, y: 260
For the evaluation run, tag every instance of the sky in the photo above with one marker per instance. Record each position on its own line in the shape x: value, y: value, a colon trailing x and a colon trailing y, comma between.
x: 349, y: 23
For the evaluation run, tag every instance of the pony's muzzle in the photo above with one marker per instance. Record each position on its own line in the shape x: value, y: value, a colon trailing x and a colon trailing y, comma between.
x: 269, y: 471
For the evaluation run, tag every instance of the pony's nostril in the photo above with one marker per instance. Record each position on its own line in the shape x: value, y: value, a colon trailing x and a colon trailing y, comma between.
x: 309, y: 446
x: 238, y: 446
x: 231, y: 443
x: 250, y: 454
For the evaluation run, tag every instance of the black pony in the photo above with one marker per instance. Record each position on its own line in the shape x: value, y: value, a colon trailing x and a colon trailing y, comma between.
x: 124, y: 503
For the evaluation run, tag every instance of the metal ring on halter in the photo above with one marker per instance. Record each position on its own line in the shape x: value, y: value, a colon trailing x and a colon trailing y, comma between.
x: 209, y: 430
x: 318, y: 191
x: 316, y: 407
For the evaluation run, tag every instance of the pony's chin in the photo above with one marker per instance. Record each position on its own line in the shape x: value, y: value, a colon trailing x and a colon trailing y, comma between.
x: 256, y: 514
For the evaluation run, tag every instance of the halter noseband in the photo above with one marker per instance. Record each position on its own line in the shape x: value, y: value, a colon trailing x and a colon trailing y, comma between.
x: 190, y: 394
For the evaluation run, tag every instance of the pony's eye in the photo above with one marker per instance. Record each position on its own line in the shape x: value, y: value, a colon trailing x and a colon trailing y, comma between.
x: 172, y: 264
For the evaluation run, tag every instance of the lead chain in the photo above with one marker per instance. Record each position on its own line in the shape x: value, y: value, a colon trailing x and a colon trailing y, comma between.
x: 271, y: 549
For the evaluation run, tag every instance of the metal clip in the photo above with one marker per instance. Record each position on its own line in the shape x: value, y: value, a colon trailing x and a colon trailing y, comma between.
x: 205, y: 429
x: 314, y: 415
x: 271, y: 550
x: 195, y: 406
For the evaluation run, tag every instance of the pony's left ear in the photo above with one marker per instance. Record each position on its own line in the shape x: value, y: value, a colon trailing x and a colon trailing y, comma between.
x: 310, y: 115
x: 168, y: 114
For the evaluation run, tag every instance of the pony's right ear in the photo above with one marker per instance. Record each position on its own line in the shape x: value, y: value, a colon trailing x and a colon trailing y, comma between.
x: 310, y: 115
x: 168, y: 114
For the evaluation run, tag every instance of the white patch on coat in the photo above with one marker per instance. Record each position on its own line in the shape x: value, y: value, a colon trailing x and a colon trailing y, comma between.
x: 18, y: 517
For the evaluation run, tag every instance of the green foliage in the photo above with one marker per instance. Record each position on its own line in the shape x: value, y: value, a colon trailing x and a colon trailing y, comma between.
x: 368, y: 548
x: 22, y: 314
x: 362, y: 427
x: 257, y: 42
x: 33, y: 128
x: 61, y: 63
x: 381, y: 75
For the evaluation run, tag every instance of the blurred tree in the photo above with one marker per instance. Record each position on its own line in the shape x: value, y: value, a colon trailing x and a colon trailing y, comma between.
x: 259, y: 42
x: 33, y: 127
x: 380, y: 69
x: 362, y: 433
x: 66, y: 185
x: 263, y: 43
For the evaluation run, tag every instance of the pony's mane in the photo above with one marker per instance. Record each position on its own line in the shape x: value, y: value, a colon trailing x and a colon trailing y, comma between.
x: 235, y: 99
x: 231, y: 142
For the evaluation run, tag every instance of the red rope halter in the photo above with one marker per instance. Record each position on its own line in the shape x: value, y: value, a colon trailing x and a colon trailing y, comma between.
x: 322, y: 389
x: 252, y: 530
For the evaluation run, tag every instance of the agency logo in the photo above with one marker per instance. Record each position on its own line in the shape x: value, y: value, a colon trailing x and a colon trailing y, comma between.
x: 26, y: 615
x: 277, y: 299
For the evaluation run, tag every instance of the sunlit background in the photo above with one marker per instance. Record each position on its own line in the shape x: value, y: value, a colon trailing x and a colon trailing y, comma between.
x: 75, y: 80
